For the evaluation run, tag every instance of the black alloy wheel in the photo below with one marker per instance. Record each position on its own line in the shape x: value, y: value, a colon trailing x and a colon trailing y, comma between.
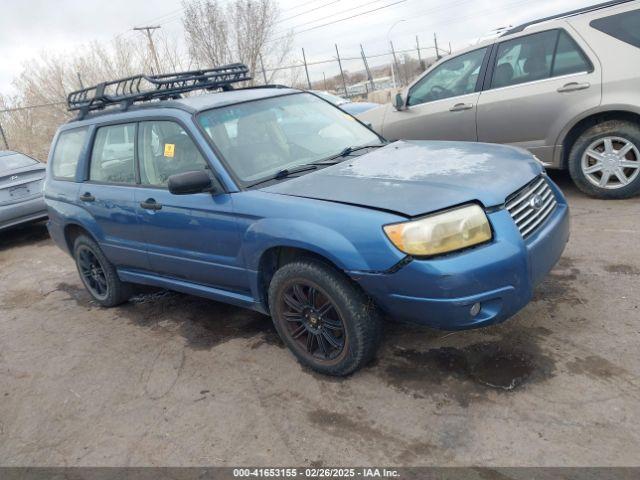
x: 313, y: 321
x: 92, y: 273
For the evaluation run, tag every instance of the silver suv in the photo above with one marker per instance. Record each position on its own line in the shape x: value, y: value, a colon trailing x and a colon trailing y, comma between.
x: 567, y: 88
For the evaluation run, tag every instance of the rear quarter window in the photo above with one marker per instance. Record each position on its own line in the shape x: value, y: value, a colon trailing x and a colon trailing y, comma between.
x: 623, y: 26
x: 67, y: 153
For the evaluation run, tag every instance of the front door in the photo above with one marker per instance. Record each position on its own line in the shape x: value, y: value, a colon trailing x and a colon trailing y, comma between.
x: 191, y: 237
x: 539, y: 83
x: 442, y: 104
x: 109, y: 195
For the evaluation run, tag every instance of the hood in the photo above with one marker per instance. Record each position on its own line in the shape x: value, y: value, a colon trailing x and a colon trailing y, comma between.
x: 414, y: 178
x: 355, y: 108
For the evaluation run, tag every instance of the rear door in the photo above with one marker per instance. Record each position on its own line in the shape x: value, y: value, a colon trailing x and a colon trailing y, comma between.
x: 535, y: 85
x: 442, y: 104
x: 108, y: 194
x: 192, y: 237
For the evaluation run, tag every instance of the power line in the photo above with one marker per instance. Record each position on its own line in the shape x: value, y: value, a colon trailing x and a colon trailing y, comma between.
x: 340, y: 20
x: 308, y: 11
x: 337, y: 13
x: 29, y: 107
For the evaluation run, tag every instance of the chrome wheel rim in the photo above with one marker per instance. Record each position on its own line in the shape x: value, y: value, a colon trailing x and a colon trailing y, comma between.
x: 92, y: 273
x: 611, y: 162
x: 313, y: 322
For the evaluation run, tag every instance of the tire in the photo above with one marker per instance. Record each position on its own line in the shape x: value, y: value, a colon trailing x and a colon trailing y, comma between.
x: 101, y: 274
x: 617, y: 134
x: 352, y: 346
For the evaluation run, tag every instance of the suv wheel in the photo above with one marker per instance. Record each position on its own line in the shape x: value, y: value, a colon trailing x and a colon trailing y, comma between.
x: 98, y: 275
x: 605, y: 160
x: 325, y: 320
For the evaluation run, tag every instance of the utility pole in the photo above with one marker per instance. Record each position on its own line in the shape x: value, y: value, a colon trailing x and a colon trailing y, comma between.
x: 419, y: 55
x: 366, y: 66
x: 152, y: 47
x: 435, y: 42
x: 306, y: 70
x: 4, y: 139
x: 344, y: 82
x: 264, y: 72
x: 395, y: 61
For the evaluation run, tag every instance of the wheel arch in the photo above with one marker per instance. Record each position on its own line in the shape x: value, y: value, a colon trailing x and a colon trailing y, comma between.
x: 275, y: 257
x: 72, y: 231
x: 583, y: 124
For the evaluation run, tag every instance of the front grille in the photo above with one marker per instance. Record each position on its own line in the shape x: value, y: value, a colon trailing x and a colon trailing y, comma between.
x: 526, y: 210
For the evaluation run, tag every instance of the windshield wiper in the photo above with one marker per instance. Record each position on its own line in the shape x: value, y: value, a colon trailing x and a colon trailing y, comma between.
x: 284, y: 173
x: 290, y: 171
x: 332, y: 160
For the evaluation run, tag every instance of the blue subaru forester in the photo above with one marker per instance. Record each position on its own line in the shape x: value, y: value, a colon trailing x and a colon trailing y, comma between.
x: 275, y: 200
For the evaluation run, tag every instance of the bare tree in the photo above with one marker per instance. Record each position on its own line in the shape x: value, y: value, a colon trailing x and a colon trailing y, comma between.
x: 241, y: 32
x: 206, y: 29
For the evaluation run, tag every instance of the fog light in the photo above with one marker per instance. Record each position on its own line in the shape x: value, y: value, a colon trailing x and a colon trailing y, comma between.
x: 475, y: 309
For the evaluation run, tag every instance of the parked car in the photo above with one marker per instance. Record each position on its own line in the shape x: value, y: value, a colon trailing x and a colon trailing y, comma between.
x: 21, y: 183
x: 354, y: 108
x: 322, y: 229
x: 565, y: 88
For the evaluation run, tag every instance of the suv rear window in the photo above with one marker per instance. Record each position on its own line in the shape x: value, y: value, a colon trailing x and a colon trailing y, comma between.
x: 623, y: 26
x: 67, y: 153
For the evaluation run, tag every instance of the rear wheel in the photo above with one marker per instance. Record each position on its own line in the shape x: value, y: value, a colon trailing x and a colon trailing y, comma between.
x: 98, y: 275
x: 324, y: 319
x: 605, y: 160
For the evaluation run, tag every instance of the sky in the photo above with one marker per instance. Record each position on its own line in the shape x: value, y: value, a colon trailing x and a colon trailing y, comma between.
x: 29, y: 28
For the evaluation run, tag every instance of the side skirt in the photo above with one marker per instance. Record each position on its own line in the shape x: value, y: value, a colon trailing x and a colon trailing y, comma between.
x: 184, y: 286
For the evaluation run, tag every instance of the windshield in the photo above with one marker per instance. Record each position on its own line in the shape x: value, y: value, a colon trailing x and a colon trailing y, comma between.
x: 14, y: 161
x: 260, y: 138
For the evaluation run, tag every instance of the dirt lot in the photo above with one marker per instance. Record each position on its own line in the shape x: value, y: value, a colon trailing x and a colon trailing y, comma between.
x: 175, y: 380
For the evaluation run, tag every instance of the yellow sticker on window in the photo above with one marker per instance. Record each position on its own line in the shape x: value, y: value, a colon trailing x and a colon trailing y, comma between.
x: 169, y: 150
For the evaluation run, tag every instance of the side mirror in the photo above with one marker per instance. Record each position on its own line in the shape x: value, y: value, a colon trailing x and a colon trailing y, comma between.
x: 399, y: 102
x: 190, y: 182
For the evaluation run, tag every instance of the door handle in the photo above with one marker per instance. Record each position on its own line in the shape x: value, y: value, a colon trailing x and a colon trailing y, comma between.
x: 459, y: 107
x: 573, y: 87
x: 87, y: 197
x: 150, y: 204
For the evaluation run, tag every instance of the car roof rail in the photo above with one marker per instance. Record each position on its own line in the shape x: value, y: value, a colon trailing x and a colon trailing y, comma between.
x: 571, y: 13
x: 143, y: 88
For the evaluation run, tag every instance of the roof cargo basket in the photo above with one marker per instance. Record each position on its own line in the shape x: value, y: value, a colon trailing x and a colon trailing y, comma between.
x: 143, y: 88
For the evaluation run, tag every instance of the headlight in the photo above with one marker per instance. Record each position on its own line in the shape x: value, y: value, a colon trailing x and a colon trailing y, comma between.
x: 441, y: 233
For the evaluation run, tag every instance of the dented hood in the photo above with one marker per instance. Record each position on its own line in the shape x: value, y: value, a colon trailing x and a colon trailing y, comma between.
x: 417, y: 177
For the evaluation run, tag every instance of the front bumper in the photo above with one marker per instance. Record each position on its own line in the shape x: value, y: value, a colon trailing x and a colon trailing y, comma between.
x: 500, y: 276
x: 25, y: 211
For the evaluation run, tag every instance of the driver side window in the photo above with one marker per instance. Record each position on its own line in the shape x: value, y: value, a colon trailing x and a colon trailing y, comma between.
x: 166, y: 149
x: 454, y: 77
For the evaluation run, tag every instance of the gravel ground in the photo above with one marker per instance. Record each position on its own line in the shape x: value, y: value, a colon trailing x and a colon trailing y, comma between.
x: 169, y: 379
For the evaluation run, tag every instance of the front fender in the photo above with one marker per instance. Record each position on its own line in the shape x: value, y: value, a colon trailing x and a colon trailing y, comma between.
x: 280, y: 232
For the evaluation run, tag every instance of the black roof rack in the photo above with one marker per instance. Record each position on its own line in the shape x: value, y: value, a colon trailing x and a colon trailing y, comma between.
x: 142, y: 88
x: 572, y: 13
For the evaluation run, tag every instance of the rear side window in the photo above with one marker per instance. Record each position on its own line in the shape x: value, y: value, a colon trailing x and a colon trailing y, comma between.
x: 113, y: 154
x: 67, y: 153
x: 524, y: 59
x: 568, y: 58
x: 623, y: 26
x: 537, y: 57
